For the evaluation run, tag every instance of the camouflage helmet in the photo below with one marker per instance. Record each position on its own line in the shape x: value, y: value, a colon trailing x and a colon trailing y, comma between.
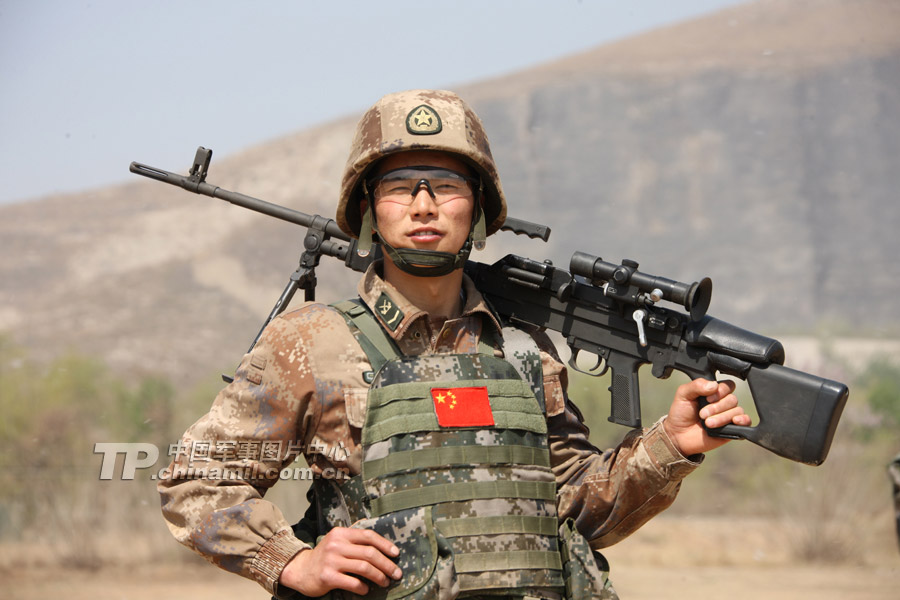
x: 419, y: 120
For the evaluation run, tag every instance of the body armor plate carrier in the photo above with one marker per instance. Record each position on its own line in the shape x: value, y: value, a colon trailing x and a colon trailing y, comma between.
x: 456, y: 472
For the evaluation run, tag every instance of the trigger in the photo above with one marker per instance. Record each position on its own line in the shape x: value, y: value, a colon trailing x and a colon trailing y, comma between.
x: 595, y: 370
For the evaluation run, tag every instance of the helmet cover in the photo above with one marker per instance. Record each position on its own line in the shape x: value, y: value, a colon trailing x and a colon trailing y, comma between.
x: 435, y: 120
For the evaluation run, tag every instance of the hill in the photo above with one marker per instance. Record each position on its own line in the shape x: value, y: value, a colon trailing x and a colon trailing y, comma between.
x: 757, y: 146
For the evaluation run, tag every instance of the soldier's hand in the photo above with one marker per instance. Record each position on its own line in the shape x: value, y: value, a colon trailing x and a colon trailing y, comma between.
x: 684, y: 424
x: 335, y: 561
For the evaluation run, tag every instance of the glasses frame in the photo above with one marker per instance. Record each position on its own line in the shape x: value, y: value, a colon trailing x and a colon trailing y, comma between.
x: 371, y: 183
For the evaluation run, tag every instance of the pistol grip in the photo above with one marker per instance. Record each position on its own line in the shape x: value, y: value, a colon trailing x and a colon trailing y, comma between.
x: 625, y: 408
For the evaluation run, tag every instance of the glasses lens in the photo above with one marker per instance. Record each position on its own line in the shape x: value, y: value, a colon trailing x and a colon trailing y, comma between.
x: 401, y: 185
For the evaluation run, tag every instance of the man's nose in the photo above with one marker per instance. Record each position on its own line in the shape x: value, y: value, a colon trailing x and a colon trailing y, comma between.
x: 423, y: 201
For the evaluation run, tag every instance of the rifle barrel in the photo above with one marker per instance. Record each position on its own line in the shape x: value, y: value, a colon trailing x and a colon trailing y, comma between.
x: 196, y: 183
x: 255, y: 204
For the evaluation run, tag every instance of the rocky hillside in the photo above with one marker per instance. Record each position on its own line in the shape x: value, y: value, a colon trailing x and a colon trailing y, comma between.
x: 757, y: 146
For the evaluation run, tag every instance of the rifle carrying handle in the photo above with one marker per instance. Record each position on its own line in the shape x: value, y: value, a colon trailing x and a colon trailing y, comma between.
x: 520, y: 227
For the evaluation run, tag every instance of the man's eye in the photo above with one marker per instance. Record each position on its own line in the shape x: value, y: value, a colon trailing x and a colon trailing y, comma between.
x: 448, y: 187
x: 396, y: 188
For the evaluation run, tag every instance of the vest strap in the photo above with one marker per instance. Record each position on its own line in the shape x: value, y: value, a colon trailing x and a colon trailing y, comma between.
x: 406, y: 407
x: 375, y: 343
x: 501, y: 390
x: 488, y: 340
x: 427, y: 458
x: 462, y: 491
x: 466, y: 526
x: 422, y: 421
x: 477, y: 562
x: 522, y: 352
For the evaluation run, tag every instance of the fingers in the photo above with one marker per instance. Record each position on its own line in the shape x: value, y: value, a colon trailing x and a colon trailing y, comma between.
x: 362, y: 552
x: 721, y: 406
x: 711, y: 390
x: 724, y: 389
x: 717, y: 403
x: 344, y: 559
x: 735, y: 416
x: 381, y: 543
x: 684, y: 422
x: 335, y: 579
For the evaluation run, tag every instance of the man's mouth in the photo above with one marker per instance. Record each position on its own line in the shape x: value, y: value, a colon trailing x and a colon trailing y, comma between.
x: 425, y: 234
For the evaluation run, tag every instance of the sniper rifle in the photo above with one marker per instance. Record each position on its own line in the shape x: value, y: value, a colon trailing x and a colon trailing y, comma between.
x: 607, y: 309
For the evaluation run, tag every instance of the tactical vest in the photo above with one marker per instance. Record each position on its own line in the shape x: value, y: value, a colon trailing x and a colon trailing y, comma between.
x: 456, y: 473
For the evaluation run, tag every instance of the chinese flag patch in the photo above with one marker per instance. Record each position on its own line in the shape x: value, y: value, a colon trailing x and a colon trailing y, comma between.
x: 462, y: 407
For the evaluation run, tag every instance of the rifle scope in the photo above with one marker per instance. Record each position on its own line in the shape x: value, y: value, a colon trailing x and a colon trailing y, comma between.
x: 694, y: 297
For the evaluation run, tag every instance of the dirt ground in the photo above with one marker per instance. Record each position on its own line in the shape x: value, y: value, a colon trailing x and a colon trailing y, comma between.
x: 672, y: 558
x: 200, y: 582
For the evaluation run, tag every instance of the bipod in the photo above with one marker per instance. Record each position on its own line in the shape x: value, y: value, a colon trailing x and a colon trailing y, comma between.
x: 303, y: 278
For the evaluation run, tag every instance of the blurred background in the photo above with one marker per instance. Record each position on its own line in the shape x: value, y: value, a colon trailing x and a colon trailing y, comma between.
x: 756, y: 143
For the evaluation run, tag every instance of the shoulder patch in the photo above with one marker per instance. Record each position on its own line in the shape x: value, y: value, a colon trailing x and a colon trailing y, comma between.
x: 423, y: 120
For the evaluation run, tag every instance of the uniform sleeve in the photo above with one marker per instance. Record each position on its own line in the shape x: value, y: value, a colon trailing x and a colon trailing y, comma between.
x: 609, y: 494
x: 213, y: 493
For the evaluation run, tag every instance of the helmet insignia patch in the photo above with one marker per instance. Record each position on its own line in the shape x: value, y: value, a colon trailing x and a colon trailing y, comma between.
x: 423, y: 120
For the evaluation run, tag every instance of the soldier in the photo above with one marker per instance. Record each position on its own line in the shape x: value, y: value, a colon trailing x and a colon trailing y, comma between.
x: 448, y: 459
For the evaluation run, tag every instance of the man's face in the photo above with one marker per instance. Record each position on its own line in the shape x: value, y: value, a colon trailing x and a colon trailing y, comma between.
x: 419, y: 220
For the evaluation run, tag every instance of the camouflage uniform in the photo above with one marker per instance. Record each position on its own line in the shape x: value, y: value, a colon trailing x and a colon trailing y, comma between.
x: 523, y: 490
x: 304, y: 388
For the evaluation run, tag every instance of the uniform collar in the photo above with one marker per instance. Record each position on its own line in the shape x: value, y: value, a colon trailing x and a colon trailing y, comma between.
x: 396, y: 314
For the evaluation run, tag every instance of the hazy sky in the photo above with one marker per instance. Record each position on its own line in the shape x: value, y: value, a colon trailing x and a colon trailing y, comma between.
x: 87, y: 86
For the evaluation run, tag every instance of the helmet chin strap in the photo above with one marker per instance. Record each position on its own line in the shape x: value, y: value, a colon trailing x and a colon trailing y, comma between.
x: 427, y: 263
x: 424, y: 263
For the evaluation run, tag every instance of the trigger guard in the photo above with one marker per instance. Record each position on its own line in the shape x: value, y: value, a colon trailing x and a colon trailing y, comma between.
x: 593, y: 371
